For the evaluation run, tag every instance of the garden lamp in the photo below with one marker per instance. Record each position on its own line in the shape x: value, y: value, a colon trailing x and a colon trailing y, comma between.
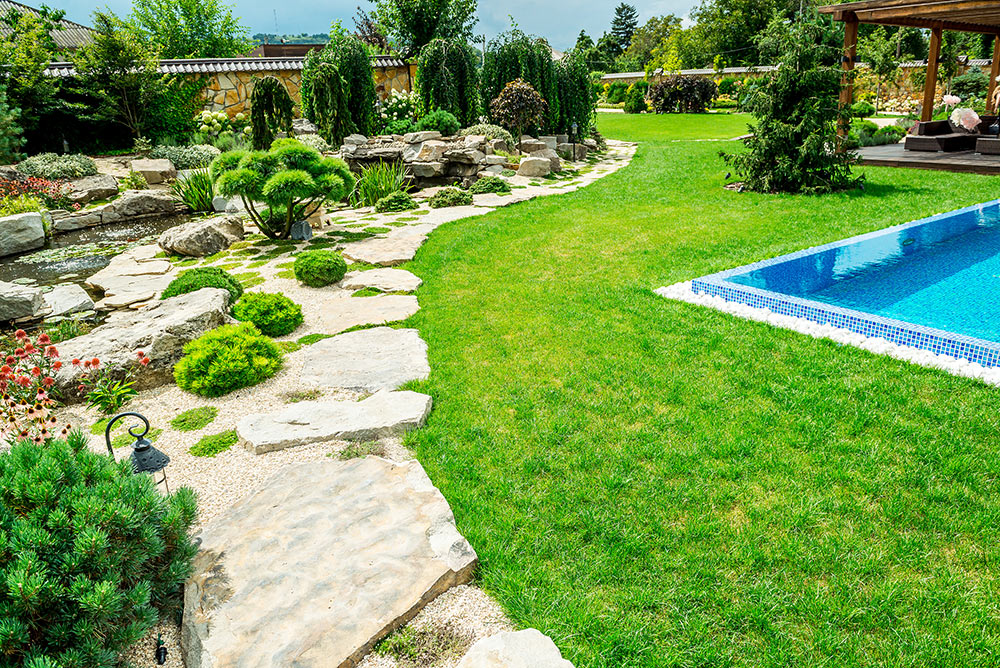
x: 145, y: 458
x: 574, y: 128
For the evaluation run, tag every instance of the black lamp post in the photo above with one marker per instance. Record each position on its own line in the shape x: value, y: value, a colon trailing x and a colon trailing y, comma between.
x: 575, y: 128
x: 145, y: 458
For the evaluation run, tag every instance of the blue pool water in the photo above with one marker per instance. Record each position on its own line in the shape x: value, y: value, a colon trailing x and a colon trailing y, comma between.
x: 932, y: 283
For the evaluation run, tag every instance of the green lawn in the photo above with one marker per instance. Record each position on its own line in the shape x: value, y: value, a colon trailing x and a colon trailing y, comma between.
x: 658, y: 484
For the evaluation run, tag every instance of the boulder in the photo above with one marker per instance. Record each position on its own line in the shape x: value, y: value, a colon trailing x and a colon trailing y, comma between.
x: 499, y: 146
x: 68, y: 299
x: 420, y: 137
x: 533, y: 167
x: 493, y: 169
x: 134, y: 277
x: 155, y: 170
x: 160, y: 331
x: 466, y: 155
x: 303, y: 126
x: 136, y: 203
x: 202, y: 237
x: 562, y: 139
x: 20, y: 301
x: 367, y: 360
x: 319, y: 564
x: 495, y: 160
x: 591, y: 144
x: 220, y: 204
x: 381, y: 415
x: 529, y: 648
x: 550, y: 141
x: 80, y: 220
x: 530, y: 145
x: 574, y: 152
x: 428, y: 151
x: 426, y: 170
x: 355, y: 140
x: 90, y: 188
x: 21, y: 232
x: 552, y: 157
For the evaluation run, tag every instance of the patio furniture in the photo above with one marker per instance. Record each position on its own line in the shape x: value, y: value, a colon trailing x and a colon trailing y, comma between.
x: 941, y: 136
x: 988, y: 145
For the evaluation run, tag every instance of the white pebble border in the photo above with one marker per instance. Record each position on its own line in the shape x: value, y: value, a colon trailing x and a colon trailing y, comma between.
x: 958, y: 367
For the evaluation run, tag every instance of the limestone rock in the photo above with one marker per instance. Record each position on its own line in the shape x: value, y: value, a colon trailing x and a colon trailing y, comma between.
x: 341, y: 314
x: 355, y: 140
x: 475, y: 141
x: 79, y: 220
x: 499, y: 146
x: 155, y: 171
x: 219, y: 204
x: 529, y: 145
x: 133, y: 277
x: 135, y: 203
x: 467, y: 156
x: 303, y: 126
x: 68, y: 299
x: 90, y: 188
x: 21, y: 232
x: 367, y: 360
x: 533, y: 167
x: 386, y: 280
x: 398, y: 247
x: 550, y: 141
x: 551, y: 156
x: 591, y: 144
x: 572, y: 151
x: 426, y: 170
x: 428, y: 151
x: 19, y: 301
x: 160, y: 331
x: 419, y: 137
x: 495, y: 160
x: 529, y: 648
x: 381, y: 415
x: 322, y: 562
x: 202, y: 237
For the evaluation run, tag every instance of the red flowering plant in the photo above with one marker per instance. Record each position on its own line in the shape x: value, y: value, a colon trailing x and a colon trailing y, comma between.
x: 26, y: 381
x: 51, y: 193
x: 103, y: 390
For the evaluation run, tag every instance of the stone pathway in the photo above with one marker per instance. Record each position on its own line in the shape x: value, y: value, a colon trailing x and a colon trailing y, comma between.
x: 368, y: 360
x: 386, y: 280
x: 132, y: 279
x: 341, y: 314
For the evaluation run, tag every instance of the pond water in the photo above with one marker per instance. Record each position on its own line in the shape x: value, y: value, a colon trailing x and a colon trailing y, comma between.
x: 73, y: 257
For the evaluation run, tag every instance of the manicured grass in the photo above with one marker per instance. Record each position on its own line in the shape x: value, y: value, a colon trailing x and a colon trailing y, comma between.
x: 658, y: 484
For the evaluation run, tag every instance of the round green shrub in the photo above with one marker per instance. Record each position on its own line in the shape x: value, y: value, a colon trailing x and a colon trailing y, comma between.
x: 52, y: 166
x: 635, y: 101
x: 490, y: 184
x: 440, y: 120
x: 226, y: 359
x: 490, y: 132
x: 450, y: 197
x: 861, y: 109
x: 319, y: 268
x: 397, y: 201
x: 92, y: 554
x: 274, y: 315
x: 203, y: 277
x: 186, y: 157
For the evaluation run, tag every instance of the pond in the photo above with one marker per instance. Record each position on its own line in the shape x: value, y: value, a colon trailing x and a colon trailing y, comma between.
x: 73, y: 257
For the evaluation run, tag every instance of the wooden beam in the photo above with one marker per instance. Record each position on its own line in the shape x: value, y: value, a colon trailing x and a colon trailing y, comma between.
x: 930, y: 86
x: 991, y: 105
x: 847, y: 79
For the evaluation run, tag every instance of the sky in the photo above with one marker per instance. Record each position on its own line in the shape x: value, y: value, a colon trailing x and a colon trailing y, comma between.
x: 559, y: 21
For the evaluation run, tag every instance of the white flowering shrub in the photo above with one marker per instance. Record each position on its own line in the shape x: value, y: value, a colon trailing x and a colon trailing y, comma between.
x: 397, y: 112
x: 216, y: 124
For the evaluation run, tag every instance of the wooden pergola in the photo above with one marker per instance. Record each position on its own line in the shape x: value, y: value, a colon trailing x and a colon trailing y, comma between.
x: 976, y: 16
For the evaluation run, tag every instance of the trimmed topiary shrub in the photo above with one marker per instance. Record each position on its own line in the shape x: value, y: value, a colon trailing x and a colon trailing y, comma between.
x: 635, y: 100
x: 440, y: 120
x: 203, y: 277
x: 274, y: 315
x: 450, y: 197
x: 186, y: 157
x: 397, y: 201
x: 92, y: 554
x: 54, y: 167
x: 227, y: 359
x: 490, y: 184
x: 489, y: 131
x: 319, y: 268
x: 862, y: 109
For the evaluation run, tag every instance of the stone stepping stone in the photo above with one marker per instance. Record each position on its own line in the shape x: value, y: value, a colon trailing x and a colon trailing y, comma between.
x: 386, y: 280
x: 368, y: 360
x: 385, y: 251
x: 383, y: 414
x: 340, y: 314
x: 133, y: 277
x: 322, y: 562
x: 529, y: 648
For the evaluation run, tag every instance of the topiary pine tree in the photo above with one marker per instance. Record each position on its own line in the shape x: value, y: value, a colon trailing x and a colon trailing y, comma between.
x: 91, y: 554
x: 270, y: 111
x: 329, y: 104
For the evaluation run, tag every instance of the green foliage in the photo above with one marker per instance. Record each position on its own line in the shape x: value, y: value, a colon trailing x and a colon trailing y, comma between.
x: 195, y: 419
x: 291, y: 179
x: 319, y: 268
x: 226, y: 359
x: 397, y: 201
x: 329, y: 103
x: 133, y: 181
x: 378, y: 181
x: 173, y: 108
x: 56, y: 167
x: 196, y: 190
x: 440, y: 120
x: 447, y: 79
x: 10, y: 206
x: 577, y: 99
x: 412, y: 24
x: 397, y: 113
x: 518, y: 107
x: 11, y: 138
x: 450, y: 197
x: 635, y: 101
x: 195, y: 279
x: 730, y: 86
x: 490, y: 132
x: 489, y: 184
x: 270, y: 111
x: 186, y: 157
x: 310, y: 339
x: 351, y: 58
x: 210, y: 446
x: 682, y: 94
x: 191, y: 28
x: 316, y: 142
x: 273, y: 314
x: 616, y: 92
x: 974, y: 84
x: 624, y: 24
x: 862, y: 109
x: 119, y: 68
x: 92, y: 554
x: 796, y: 111
x: 26, y: 49
x: 879, y: 52
x: 514, y: 56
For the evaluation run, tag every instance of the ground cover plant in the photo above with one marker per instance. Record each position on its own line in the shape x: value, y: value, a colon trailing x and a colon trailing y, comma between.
x: 195, y: 418
x: 395, y: 202
x: 687, y: 488
x: 450, y: 197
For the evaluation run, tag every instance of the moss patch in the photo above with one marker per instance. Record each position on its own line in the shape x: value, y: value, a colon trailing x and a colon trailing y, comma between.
x: 195, y: 419
x: 210, y: 446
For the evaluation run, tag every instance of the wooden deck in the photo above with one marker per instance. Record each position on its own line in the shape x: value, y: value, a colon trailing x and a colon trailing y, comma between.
x: 894, y: 155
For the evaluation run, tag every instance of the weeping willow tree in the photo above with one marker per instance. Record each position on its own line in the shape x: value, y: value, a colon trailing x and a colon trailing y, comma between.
x: 447, y: 79
x: 270, y: 111
x: 329, y: 104
x: 350, y: 56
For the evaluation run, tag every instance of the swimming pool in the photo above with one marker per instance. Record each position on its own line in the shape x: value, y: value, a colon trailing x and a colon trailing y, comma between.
x: 931, y: 284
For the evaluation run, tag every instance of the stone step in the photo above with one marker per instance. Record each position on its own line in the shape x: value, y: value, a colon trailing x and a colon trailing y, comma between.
x: 529, y: 648
x: 321, y: 563
x: 383, y: 414
x: 386, y: 280
x: 367, y: 360
x: 346, y: 312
